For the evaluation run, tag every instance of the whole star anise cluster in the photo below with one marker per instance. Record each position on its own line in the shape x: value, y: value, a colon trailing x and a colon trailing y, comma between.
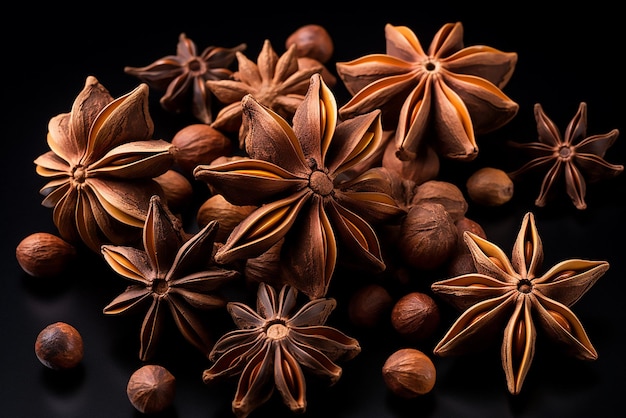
x: 327, y: 188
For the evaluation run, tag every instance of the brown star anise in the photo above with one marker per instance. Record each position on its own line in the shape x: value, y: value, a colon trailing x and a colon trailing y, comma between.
x: 445, y: 95
x: 101, y: 166
x: 171, y: 273
x: 275, y: 82
x: 512, y: 295
x: 296, y: 177
x: 273, y: 345
x: 183, y: 76
x: 573, y: 157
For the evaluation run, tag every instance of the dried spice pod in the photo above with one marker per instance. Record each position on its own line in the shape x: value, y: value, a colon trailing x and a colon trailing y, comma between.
x: 489, y: 186
x: 151, y: 389
x: 44, y: 255
x: 428, y: 236
x: 275, y: 345
x: 443, y: 95
x: 305, y: 63
x: 409, y: 373
x: 510, y: 294
x: 423, y: 167
x: 59, y: 346
x: 197, y: 144
x: 577, y: 158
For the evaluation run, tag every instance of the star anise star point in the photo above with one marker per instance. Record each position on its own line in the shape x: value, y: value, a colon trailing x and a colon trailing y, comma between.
x: 173, y: 273
x: 183, y: 76
x: 446, y: 94
x: 512, y: 295
x: 295, y: 177
x: 277, y: 82
x: 576, y: 158
x: 274, y: 346
x: 101, y: 166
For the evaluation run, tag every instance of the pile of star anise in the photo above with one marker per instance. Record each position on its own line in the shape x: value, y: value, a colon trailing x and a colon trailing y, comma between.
x: 303, y: 191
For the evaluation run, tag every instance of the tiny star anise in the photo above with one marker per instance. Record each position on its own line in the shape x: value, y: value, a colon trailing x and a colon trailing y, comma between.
x: 445, y: 95
x: 297, y: 178
x: 573, y: 157
x: 183, y: 76
x: 273, y: 345
x: 276, y: 82
x: 172, y: 274
x: 101, y: 166
x: 514, y: 296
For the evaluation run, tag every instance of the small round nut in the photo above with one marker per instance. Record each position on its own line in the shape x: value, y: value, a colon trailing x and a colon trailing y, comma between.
x: 44, y: 255
x: 151, y: 389
x: 415, y: 316
x: 408, y: 373
x: 217, y: 208
x: 197, y: 144
x: 428, y: 236
x: 178, y: 190
x: 368, y: 305
x: 59, y: 346
x: 444, y: 192
x: 312, y: 41
x: 489, y: 186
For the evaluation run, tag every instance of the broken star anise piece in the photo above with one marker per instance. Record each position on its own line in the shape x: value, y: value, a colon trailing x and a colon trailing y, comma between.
x: 297, y: 178
x: 101, y: 165
x: 172, y: 274
x: 576, y: 157
x: 276, y: 82
x: 183, y: 76
x: 273, y: 347
x: 512, y: 295
x: 445, y: 95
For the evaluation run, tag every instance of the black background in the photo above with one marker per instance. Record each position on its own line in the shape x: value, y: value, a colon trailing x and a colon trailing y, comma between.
x: 565, y: 57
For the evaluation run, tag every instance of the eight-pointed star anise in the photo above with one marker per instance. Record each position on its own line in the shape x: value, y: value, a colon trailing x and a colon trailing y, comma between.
x: 445, y: 95
x: 274, y: 346
x: 276, y: 82
x: 514, y: 295
x: 172, y: 274
x: 101, y: 166
x: 297, y: 178
x: 576, y: 157
x: 183, y: 76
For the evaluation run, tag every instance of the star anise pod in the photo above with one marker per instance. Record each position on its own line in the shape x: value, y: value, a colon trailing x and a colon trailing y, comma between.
x: 183, y: 76
x: 276, y: 82
x: 295, y: 175
x: 576, y: 157
x: 172, y: 273
x: 273, y: 347
x: 445, y: 95
x: 514, y: 296
x: 101, y: 166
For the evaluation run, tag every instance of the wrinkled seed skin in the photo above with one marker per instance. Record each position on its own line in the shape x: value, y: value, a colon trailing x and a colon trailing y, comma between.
x: 409, y: 373
x: 151, y: 389
x: 428, y: 236
x: 44, y: 255
x: 59, y: 346
x: 490, y: 186
x: 415, y: 316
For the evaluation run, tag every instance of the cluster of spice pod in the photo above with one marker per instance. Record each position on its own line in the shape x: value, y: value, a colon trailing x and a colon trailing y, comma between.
x: 300, y: 192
